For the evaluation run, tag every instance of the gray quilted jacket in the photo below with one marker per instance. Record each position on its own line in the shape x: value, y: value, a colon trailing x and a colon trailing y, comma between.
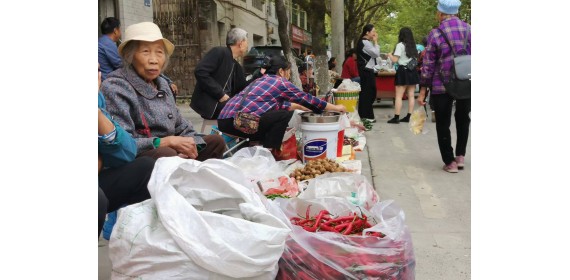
x: 131, y: 101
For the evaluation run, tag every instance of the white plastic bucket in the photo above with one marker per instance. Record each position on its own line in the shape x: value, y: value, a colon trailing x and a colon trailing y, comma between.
x: 319, y: 140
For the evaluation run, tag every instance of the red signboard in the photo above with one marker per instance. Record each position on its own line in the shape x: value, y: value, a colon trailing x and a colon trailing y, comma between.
x: 297, y: 34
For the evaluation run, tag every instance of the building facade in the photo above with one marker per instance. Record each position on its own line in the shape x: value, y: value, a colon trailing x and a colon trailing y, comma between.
x: 195, y: 26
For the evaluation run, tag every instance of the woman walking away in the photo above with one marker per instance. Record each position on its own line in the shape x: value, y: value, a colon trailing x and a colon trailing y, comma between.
x: 406, y: 77
x: 367, y: 51
x: 436, y: 69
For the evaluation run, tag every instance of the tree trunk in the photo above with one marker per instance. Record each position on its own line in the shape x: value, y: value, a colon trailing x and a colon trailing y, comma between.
x: 283, y: 30
x: 337, y: 33
x: 317, y: 21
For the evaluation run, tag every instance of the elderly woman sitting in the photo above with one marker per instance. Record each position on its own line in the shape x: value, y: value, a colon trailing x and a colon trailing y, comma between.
x: 272, y: 98
x: 141, y: 101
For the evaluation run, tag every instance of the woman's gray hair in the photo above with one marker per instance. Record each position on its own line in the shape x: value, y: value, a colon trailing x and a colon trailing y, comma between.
x: 129, y: 53
x: 235, y: 35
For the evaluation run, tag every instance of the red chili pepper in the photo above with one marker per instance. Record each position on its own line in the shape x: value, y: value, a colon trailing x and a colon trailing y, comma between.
x: 341, y: 226
x: 357, y: 226
x: 304, y: 222
x: 311, y: 229
x: 327, y: 228
x: 349, y: 228
x: 376, y: 234
x: 340, y: 219
x: 319, y: 217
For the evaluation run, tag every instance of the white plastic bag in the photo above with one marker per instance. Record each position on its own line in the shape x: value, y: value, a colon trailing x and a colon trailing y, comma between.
x: 204, y: 221
x: 257, y: 163
x: 353, y: 187
x: 417, y: 121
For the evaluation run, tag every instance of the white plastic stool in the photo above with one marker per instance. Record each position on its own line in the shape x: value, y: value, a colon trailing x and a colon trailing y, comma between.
x: 206, y: 123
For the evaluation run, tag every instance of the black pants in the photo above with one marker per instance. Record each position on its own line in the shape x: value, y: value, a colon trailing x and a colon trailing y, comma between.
x: 123, y: 185
x: 367, y: 94
x: 272, y: 126
x: 443, y: 105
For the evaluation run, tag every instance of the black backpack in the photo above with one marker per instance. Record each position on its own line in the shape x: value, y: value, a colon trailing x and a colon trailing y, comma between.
x: 459, y: 86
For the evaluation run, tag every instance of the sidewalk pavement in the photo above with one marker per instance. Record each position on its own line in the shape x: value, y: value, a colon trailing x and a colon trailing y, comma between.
x: 408, y: 169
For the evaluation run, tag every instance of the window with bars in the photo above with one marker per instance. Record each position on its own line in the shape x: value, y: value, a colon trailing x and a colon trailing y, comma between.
x: 258, y: 4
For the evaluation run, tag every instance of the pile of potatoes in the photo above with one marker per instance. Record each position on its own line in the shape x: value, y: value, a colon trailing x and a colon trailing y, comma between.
x: 316, y: 167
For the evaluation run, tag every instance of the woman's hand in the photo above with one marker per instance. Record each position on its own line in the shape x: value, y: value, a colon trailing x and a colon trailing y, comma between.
x: 183, y: 145
x: 104, y: 124
x: 224, y: 98
x: 100, y: 160
x: 422, y: 96
x: 295, y: 106
x: 375, y: 38
x: 333, y: 107
x: 174, y: 89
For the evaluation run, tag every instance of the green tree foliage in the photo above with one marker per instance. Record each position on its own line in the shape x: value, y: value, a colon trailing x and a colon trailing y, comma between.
x: 358, y: 13
x: 419, y: 15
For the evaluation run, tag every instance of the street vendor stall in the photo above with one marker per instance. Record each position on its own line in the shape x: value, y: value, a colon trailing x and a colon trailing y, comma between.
x: 385, y: 88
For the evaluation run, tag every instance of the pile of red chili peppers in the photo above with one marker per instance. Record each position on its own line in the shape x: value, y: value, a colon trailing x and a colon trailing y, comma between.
x: 347, y: 225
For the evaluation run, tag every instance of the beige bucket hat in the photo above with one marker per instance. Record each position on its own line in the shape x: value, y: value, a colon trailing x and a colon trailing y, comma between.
x: 145, y: 31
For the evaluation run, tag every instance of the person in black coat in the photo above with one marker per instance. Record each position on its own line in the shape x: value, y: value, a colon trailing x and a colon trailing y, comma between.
x: 219, y: 76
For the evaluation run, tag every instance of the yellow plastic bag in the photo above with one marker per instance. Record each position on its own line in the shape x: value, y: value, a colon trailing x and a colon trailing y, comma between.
x: 417, y: 121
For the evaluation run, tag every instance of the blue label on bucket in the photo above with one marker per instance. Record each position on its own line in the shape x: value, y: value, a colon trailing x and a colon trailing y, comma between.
x: 316, y: 148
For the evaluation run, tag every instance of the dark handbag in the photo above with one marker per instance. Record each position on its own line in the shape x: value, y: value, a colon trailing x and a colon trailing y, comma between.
x: 459, y: 86
x: 412, y: 64
x: 246, y: 122
x: 458, y: 89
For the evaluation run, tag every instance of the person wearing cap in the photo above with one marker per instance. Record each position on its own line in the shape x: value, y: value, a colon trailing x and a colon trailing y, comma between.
x: 109, y: 58
x: 273, y: 98
x: 219, y: 75
x: 141, y: 101
x: 436, y: 68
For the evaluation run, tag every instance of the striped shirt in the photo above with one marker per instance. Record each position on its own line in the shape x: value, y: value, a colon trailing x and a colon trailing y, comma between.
x: 270, y: 92
x: 438, y: 60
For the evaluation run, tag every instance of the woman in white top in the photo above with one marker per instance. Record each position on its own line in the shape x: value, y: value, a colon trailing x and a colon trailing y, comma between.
x: 406, y: 77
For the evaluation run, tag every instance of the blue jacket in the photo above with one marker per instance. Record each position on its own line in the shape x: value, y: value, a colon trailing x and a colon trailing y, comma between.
x: 109, y: 59
x: 122, y: 150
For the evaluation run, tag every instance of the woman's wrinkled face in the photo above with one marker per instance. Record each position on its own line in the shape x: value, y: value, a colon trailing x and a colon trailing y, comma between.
x: 149, y: 59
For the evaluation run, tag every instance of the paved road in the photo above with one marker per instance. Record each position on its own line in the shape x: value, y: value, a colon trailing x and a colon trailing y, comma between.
x: 407, y: 168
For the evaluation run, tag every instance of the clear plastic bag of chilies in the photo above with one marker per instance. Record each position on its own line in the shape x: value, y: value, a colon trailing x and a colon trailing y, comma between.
x: 417, y: 121
x: 330, y: 255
